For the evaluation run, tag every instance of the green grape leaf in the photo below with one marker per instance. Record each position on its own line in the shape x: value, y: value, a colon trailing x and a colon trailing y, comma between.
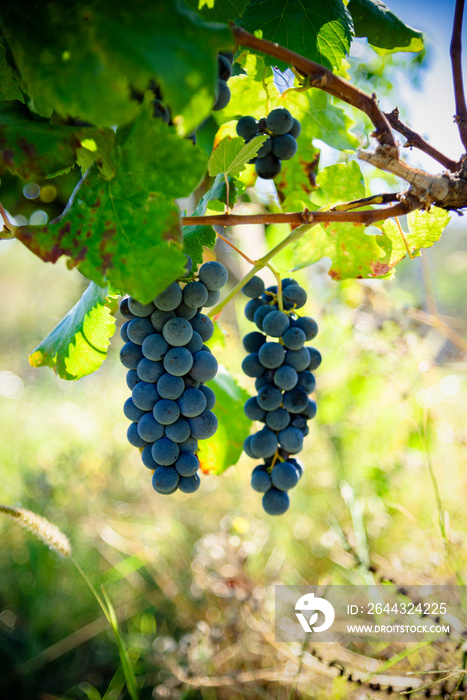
x: 383, y: 29
x: 320, y: 31
x: 152, y: 158
x: 77, y: 346
x: 425, y: 229
x: 297, y: 176
x: 126, y: 230
x: 195, y: 238
x: 9, y: 79
x: 219, y: 338
x: 353, y: 252
x: 250, y: 91
x: 223, y: 449
x: 217, y: 204
x: 62, y: 65
x: 393, y: 245
x: 230, y: 156
x: 221, y: 10
x: 328, y: 122
x: 83, y: 60
x: 172, y: 43
x: 97, y: 148
x: 109, y: 238
x: 341, y: 183
x: 32, y: 146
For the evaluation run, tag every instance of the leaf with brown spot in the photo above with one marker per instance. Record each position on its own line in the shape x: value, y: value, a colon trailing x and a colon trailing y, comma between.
x: 353, y: 252
x: 126, y: 230
x: 31, y: 146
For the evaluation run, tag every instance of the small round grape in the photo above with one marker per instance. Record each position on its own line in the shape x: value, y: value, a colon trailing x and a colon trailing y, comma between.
x: 279, y: 121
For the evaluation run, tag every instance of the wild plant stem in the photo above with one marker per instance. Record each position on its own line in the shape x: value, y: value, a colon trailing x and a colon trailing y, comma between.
x: 92, y: 589
x: 109, y: 613
x: 424, y: 440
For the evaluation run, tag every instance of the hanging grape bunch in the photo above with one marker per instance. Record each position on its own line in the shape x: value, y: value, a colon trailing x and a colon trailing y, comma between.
x: 282, y: 130
x: 283, y: 370
x: 168, y: 365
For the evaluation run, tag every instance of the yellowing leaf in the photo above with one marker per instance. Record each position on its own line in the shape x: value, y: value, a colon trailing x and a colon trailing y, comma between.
x: 425, y: 228
x: 78, y: 345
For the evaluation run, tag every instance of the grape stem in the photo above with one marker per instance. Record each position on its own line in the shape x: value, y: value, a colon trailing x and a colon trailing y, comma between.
x: 279, y: 287
x: 398, y: 224
x: 254, y: 263
x: 232, y: 245
x: 263, y: 262
x: 274, y: 460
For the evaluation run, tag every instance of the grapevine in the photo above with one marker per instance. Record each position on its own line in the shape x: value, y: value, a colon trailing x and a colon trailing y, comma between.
x: 178, y: 128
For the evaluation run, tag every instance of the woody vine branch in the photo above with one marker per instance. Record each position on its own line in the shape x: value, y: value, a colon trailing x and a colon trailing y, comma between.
x: 456, y: 61
x: 447, y: 190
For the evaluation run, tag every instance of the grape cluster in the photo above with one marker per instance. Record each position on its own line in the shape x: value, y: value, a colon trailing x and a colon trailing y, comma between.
x: 282, y: 130
x: 168, y: 365
x: 283, y: 369
x: 224, y: 64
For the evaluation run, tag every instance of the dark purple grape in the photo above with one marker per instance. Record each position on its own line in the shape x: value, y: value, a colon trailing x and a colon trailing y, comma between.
x: 268, y: 167
x: 222, y: 96
x: 247, y: 127
x: 279, y: 121
x: 284, y: 147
